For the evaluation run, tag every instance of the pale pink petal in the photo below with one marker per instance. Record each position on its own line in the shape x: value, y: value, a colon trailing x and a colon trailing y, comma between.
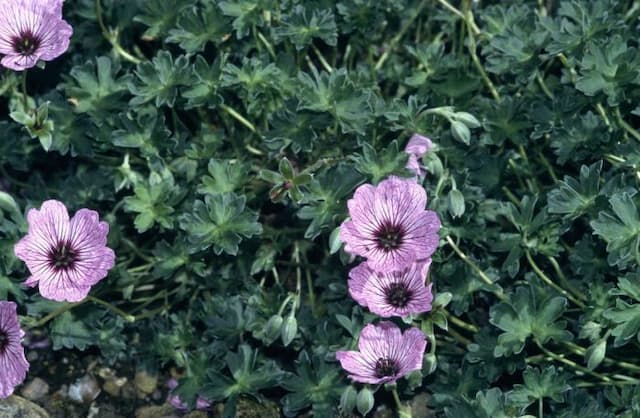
x: 13, y: 364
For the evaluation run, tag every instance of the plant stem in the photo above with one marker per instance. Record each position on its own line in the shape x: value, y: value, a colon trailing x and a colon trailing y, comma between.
x: 603, y: 115
x: 238, y: 117
x: 564, y: 280
x: 543, y: 86
x: 296, y: 259
x: 572, y: 364
x: 114, y: 309
x: 626, y: 126
x: 267, y: 44
x: 459, y: 337
x: 323, y: 61
x: 448, y: 6
x: 548, y: 166
x: 25, y: 102
x: 550, y: 282
x: 403, y: 411
x: 540, y: 411
x: 474, y: 56
x: 54, y: 314
x: 113, y: 38
x: 134, y: 248
x: 575, y: 348
x: 498, y: 292
x: 403, y: 30
x: 459, y: 322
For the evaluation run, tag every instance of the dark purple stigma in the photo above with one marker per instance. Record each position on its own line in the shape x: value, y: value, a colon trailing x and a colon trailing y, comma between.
x: 389, y: 237
x: 26, y: 44
x: 386, y: 367
x: 63, y: 256
x: 397, y: 295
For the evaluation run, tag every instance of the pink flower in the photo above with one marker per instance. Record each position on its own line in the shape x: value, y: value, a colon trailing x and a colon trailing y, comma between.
x: 398, y: 293
x: 178, y: 403
x: 386, y: 354
x: 65, y: 256
x: 32, y: 30
x: 389, y: 225
x: 417, y: 147
x: 13, y: 364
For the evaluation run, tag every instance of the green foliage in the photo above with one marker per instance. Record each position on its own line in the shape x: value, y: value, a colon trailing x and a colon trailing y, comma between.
x: 221, y: 141
x: 221, y: 220
x: 300, y: 29
x: 621, y: 230
x: 524, y: 316
x: 159, y: 80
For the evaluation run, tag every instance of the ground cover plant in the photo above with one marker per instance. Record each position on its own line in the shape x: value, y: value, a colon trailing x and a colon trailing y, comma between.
x: 323, y: 208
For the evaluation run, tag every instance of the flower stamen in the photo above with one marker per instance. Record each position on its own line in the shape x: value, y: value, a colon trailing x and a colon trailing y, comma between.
x: 398, y: 295
x: 25, y: 44
x: 386, y: 367
x: 389, y: 237
x: 62, y: 256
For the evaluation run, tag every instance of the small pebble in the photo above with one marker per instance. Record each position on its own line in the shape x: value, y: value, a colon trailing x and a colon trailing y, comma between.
x: 84, y: 390
x: 35, y: 389
x: 146, y: 383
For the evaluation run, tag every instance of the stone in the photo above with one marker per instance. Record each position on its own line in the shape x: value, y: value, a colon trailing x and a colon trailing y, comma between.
x: 146, y: 383
x: 35, y: 389
x: 196, y: 414
x: 84, y: 390
x: 17, y: 407
x: 156, y: 411
x: 251, y: 408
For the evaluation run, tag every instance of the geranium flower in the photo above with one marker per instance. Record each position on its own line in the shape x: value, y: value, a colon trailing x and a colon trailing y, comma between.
x: 389, y: 225
x: 397, y: 293
x: 386, y: 354
x: 13, y: 364
x: 65, y: 256
x: 417, y: 147
x: 32, y: 30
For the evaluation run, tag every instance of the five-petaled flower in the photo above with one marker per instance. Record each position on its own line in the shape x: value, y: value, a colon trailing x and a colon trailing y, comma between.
x: 396, y: 293
x: 65, y: 256
x: 389, y: 225
x: 386, y: 354
x: 32, y: 30
x: 13, y: 364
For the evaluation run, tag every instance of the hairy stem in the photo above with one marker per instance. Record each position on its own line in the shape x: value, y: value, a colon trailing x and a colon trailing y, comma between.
x: 54, y: 314
x: 113, y: 38
x: 498, y: 292
x: 127, y: 317
x: 400, y: 35
x: 550, y: 282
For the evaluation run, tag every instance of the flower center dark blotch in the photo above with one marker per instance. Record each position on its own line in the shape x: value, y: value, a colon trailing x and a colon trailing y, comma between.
x: 397, y: 295
x: 386, y: 367
x: 62, y: 256
x: 4, y: 340
x: 25, y: 44
x: 389, y: 237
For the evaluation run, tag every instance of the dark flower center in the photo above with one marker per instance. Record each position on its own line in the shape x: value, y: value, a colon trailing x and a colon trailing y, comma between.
x: 386, y: 367
x: 25, y: 44
x: 4, y: 340
x: 389, y: 237
x: 62, y: 256
x: 398, y: 295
